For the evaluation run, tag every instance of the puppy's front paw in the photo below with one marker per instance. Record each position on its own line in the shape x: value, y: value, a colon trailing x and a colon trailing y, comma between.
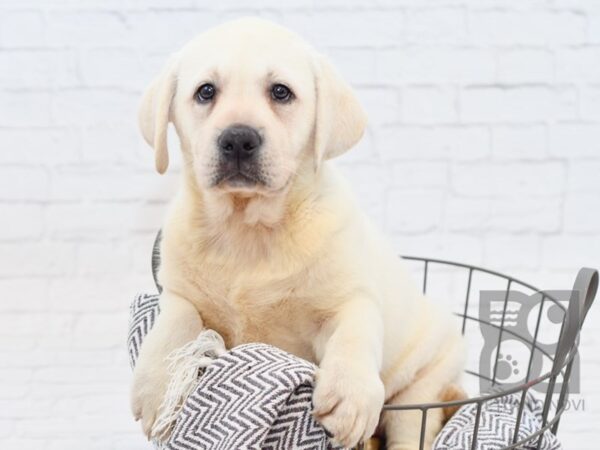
x: 147, y: 395
x: 347, y: 402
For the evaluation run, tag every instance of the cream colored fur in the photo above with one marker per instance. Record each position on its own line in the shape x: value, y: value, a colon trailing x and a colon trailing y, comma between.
x: 294, y: 263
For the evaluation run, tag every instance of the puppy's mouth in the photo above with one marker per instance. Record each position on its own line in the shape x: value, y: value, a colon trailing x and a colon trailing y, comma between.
x: 237, y: 179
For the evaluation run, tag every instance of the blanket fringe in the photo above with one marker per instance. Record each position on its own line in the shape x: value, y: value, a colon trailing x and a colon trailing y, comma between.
x: 186, y: 364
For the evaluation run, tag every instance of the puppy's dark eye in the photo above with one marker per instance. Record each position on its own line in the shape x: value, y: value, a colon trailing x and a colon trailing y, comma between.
x: 205, y: 93
x: 281, y: 93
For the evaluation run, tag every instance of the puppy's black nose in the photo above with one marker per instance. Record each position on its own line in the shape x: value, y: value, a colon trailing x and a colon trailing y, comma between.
x: 239, y: 142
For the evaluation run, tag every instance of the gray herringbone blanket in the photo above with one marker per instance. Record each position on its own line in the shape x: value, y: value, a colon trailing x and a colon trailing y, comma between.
x: 255, y: 396
x: 497, y: 426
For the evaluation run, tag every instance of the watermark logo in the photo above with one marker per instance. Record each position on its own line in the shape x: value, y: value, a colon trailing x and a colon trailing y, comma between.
x: 520, y: 338
x: 508, y: 405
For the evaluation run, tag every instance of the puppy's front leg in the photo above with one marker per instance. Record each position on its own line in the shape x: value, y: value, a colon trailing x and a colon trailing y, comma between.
x: 177, y: 324
x: 349, y: 392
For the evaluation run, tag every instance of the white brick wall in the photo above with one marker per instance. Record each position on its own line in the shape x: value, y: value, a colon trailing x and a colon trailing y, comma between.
x: 484, y: 146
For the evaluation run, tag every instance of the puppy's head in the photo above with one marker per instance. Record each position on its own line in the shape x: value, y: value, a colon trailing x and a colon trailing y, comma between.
x: 250, y: 102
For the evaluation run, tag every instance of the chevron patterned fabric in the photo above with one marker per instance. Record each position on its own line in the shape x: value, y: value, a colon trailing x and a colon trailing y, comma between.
x: 142, y: 314
x: 259, y: 397
x: 497, y: 426
x: 254, y: 397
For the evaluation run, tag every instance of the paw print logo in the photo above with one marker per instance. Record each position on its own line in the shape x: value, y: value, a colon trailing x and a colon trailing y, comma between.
x: 509, y: 322
x: 507, y: 367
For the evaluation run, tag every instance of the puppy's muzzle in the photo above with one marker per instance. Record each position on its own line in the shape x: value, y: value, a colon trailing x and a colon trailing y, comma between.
x: 239, y: 143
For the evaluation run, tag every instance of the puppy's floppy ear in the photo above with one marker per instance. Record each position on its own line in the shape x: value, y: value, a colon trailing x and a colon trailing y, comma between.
x: 155, y: 113
x: 340, y: 120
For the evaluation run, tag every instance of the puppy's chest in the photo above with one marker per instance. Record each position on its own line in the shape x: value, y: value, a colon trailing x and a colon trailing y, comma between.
x: 254, y: 307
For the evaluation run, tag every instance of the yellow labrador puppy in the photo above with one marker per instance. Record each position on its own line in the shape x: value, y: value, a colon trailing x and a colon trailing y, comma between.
x: 264, y: 241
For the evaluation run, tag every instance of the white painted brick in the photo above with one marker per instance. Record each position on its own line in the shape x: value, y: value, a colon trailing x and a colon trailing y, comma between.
x: 583, y: 177
x: 590, y: 103
x: 54, y: 426
x: 100, y: 183
x: 19, y: 260
x: 151, y: 63
x: 467, y: 214
x: 23, y: 409
x: 23, y: 183
x: 413, y: 211
x: 420, y: 174
x: 20, y: 221
x: 41, y: 324
x: 143, y: 5
x: 525, y: 66
x: 95, y: 107
x: 38, y: 69
x: 100, y: 330
x: 167, y: 30
x: 24, y: 443
x: 594, y: 27
x: 112, y: 67
x: 349, y: 27
x: 23, y: 295
x: 102, y: 220
x: 116, y: 143
x: 6, y: 428
x: 346, y: 59
x: 439, y: 25
x: 101, y: 259
x: 87, y: 357
x: 15, y: 376
x: 108, y: 293
x: 578, y: 64
x: 83, y: 28
x: 439, y: 142
x: 381, y: 104
x: 12, y: 24
x: 526, y: 214
x: 504, y: 215
x: 512, y: 252
x: 120, y: 421
x: 24, y: 109
x: 519, y: 143
x: 19, y: 345
x: 526, y: 28
x: 101, y: 403
x: 92, y: 443
x: 518, y: 104
x: 429, y: 105
x: 482, y: 179
x: 43, y: 146
x: 51, y: 357
x: 237, y: 13
x: 577, y: 213
x: 433, y: 64
x: 131, y: 441
x: 568, y: 252
x: 569, y: 140
x: 14, y: 384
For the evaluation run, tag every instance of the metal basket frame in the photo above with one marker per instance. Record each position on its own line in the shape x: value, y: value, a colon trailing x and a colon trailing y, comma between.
x: 580, y: 301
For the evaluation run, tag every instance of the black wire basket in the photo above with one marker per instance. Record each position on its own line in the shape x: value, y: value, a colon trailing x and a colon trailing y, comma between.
x: 459, y: 283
